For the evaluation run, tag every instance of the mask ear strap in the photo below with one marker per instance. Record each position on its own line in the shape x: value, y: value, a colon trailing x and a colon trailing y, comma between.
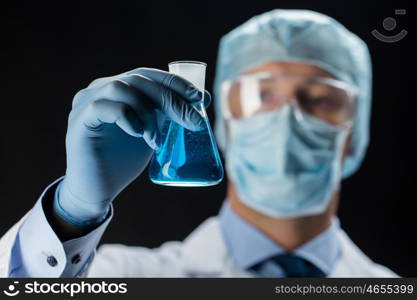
x: 342, y: 153
x: 227, y: 133
x: 347, y: 148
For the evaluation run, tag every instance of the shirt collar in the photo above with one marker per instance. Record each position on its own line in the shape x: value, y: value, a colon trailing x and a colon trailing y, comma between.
x: 249, y: 246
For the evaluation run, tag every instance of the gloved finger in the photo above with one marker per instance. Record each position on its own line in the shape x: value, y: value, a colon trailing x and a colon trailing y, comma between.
x: 157, y: 75
x: 168, y: 101
x: 172, y: 81
x: 119, y: 91
x: 102, y: 81
x: 180, y: 85
x: 99, y: 112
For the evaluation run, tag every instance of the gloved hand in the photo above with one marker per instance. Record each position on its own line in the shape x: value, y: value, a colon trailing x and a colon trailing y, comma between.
x: 113, y: 129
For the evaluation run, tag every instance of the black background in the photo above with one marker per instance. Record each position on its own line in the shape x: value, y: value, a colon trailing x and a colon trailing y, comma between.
x: 49, y: 52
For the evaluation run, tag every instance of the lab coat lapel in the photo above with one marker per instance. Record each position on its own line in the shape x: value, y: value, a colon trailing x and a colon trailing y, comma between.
x: 205, y: 250
x: 206, y: 254
x: 354, y: 263
x: 348, y: 261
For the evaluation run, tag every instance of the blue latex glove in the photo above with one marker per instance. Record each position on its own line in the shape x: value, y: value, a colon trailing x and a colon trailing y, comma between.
x: 113, y: 129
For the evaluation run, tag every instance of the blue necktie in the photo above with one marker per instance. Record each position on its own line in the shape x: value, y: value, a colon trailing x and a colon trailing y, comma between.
x: 293, y: 266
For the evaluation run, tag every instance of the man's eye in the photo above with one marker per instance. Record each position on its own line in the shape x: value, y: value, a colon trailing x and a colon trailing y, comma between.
x: 330, y: 103
x: 305, y: 99
x: 266, y: 96
x: 320, y: 101
x: 314, y: 100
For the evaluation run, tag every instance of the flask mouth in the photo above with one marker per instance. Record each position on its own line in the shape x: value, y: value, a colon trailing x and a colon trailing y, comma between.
x: 193, y: 71
x: 187, y: 62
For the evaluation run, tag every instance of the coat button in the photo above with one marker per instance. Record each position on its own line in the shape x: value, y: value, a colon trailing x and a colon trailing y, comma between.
x: 51, y: 260
x: 76, y: 259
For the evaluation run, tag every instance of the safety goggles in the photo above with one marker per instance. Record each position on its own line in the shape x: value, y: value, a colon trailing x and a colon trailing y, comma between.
x: 327, y: 99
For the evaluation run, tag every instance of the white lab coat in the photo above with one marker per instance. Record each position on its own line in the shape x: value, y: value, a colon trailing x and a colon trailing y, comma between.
x: 202, y: 254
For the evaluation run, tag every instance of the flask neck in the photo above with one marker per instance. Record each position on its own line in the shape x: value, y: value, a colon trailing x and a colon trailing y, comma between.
x: 199, y: 106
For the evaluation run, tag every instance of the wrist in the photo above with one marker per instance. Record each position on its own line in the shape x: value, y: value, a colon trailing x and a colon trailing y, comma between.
x: 77, y: 212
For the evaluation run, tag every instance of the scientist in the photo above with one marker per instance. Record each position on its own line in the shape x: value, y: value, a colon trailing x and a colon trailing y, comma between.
x: 292, y: 97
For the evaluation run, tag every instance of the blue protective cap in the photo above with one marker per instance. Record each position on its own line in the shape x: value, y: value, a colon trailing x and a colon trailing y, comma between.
x: 302, y: 36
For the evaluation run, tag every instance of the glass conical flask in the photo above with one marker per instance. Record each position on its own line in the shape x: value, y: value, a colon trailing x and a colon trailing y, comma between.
x: 187, y: 158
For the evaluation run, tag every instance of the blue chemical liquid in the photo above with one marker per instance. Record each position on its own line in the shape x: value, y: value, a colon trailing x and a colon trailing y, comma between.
x: 186, y: 158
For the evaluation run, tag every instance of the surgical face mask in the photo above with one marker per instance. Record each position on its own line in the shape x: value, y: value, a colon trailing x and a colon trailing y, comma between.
x: 285, y: 163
